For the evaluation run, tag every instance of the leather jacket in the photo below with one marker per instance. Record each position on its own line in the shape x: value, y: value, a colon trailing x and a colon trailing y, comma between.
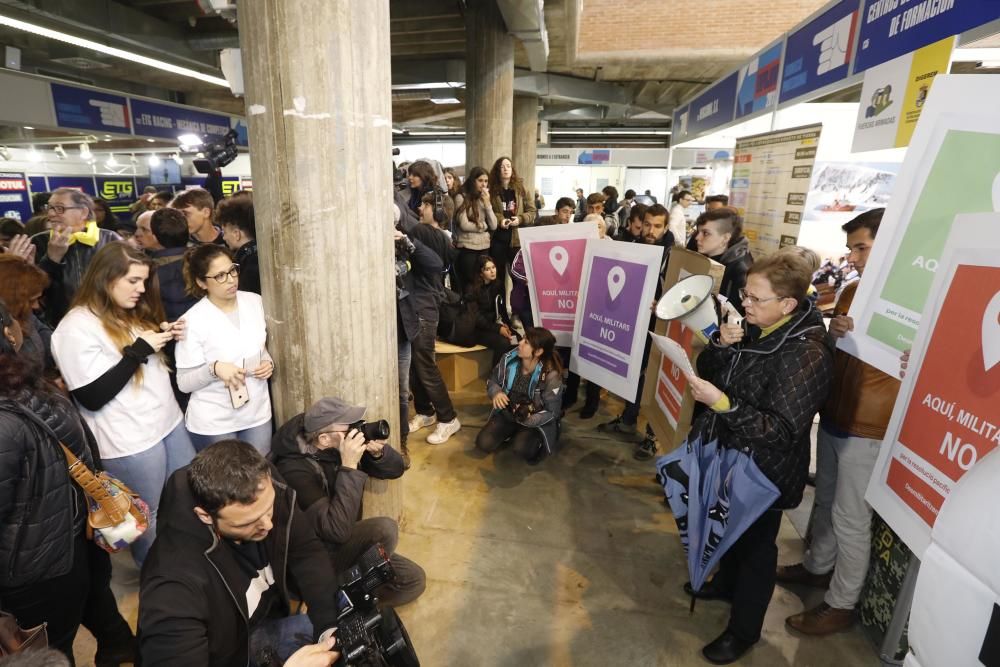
x: 862, y: 397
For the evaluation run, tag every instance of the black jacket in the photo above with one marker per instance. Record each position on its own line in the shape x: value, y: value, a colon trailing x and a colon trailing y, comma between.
x: 249, y: 263
x: 41, y: 508
x: 737, y: 260
x: 422, y: 285
x: 775, y: 387
x: 170, y: 275
x: 188, y: 612
x: 66, y: 276
x: 329, y: 494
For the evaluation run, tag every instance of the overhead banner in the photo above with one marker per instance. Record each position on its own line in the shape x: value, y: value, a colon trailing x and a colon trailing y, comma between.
x: 757, y: 87
x: 952, y: 166
x: 618, y: 286
x: 553, y: 258
x: 891, y: 28
x: 893, y: 95
x: 88, y: 109
x: 15, y: 202
x: 771, y: 177
x: 714, y: 107
x: 947, y: 415
x: 153, y: 119
x: 818, y: 53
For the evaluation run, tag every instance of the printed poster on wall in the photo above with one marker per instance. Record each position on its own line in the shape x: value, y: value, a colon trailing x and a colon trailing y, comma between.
x: 818, y: 53
x: 618, y: 286
x: 757, y: 89
x: 14, y: 199
x: 894, y: 94
x: 952, y: 166
x: 947, y: 415
x: 553, y: 258
x: 771, y: 177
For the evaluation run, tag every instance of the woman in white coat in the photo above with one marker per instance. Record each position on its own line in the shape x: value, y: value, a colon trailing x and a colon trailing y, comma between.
x: 222, y: 361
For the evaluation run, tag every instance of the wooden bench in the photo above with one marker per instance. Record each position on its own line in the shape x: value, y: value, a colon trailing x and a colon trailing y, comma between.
x: 462, y: 365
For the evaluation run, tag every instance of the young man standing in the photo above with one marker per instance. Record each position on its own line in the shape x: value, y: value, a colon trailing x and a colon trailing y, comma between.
x: 239, y: 231
x: 852, y: 425
x: 197, y: 206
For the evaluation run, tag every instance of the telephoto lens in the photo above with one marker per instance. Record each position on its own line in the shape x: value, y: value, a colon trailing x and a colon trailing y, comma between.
x: 373, y: 430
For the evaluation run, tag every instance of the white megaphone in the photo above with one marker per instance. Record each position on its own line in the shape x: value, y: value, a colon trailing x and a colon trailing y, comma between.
x: 690, y: 302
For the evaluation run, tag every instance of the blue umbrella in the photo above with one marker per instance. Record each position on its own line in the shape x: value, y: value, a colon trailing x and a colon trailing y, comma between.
x: 680, y: 472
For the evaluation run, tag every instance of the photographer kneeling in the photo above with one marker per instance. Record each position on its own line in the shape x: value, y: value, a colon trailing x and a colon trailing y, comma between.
x: 324, y: 455
x: 526, y: 391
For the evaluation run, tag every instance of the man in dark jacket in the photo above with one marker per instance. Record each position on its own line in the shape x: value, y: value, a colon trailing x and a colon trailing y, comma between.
x: 323, y: 456
x: 239, y: 230
x: 215, y: 587
x: 720, y: 237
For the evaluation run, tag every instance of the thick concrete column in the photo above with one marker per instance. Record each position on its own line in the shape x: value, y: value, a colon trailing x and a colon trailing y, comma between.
x: 489, y: 85
x: 526, y: 140
x: 319, y: 109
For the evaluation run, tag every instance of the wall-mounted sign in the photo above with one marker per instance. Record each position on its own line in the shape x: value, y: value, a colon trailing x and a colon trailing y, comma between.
x: 83, y: 183
x: 891, y: 28
x: 819, y: 53
x: 167, y: 121
x: 757, y: 89
x: 714, y: 107
x: 14, y: 199
x: 118, y: 191
x: 86, y: 109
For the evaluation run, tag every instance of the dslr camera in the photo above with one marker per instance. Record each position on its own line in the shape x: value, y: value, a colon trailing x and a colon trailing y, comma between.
x: 366, y: 635
x: 372, y: 430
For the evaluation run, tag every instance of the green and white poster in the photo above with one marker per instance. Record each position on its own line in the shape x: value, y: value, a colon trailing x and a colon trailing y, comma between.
x: 952, y: 167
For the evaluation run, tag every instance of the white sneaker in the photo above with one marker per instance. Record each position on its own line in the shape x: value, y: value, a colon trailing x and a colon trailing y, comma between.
x: 422, y: 421
x: 444, y: 431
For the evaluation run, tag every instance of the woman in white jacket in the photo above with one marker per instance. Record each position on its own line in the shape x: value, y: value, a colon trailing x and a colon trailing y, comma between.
x: 222, y: 361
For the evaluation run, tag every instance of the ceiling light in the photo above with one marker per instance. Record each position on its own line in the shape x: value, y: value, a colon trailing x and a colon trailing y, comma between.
x: 189, y: 140
x: 592, y: 131
x: 60, y: 152
x: 34, y: 155
x: 152, y: 141
x: 458, y: 133
x: 111, y: 162
x: 153, y: 160
x: 111, y: 51
x: 444, y: 96
x: 28, y: 127
x: 5, y: 153
x: 176, y: 157
x: 84, y: 151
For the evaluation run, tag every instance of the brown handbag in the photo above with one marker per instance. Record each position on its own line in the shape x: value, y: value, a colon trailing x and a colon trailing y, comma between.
x: 13, y: 639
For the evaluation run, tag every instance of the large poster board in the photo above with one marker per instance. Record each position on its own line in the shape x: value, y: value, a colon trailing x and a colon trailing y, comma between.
x: 771, y: 176
x: 951, y: 167
x: 619, y: 283
x: 947, y: 415
x: 553, y: 258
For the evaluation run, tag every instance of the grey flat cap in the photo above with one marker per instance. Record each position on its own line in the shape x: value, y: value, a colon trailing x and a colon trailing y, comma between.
x: 331, y: 410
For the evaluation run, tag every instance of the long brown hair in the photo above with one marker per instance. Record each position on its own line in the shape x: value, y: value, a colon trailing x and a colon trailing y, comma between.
x: 470, y: 195
x: 109, y: 264
x: 542, y: 339
x: 496, y: 183
x: 19, y: 281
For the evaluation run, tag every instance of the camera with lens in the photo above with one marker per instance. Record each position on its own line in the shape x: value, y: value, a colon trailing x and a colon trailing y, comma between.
x: 404, y: 248
x: 367, y: 636
x: 522, y: 409
x: 372, y: 430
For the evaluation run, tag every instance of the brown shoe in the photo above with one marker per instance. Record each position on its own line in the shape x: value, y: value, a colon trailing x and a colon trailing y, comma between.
x: 821, y: 620
x: 798, y: 574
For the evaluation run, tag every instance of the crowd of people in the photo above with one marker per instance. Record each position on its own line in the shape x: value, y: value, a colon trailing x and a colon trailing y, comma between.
x: 144, y: 351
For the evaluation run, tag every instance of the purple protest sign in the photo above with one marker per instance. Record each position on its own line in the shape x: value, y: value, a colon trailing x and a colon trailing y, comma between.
x: 618, y: 287
x: 554, y: 258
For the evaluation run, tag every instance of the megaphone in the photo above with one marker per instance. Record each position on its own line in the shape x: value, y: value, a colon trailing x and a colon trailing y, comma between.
x: 690, y: 302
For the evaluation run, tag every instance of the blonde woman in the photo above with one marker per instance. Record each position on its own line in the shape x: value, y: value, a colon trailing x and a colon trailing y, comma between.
x: 109, y: 348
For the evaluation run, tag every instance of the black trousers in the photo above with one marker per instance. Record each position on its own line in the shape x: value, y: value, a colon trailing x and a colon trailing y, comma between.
x: 748, y: 570
x: 410, y: 580
x: 592, y: 392
x: 82, y: 596
x: 430, y: 395
x: 503, y: 255
x: 500, y: 428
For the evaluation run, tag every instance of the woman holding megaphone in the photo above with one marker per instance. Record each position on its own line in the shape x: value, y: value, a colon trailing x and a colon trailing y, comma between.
x: 763, y: 385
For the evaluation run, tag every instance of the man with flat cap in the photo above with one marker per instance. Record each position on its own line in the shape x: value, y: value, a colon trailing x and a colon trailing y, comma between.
x: 326, y: 459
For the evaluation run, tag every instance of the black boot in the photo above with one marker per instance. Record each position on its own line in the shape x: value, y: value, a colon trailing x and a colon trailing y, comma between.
x: 725, y: 649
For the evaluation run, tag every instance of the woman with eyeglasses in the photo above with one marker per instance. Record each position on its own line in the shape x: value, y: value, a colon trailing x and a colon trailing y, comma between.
x: 222, y: 361
x: 762, y: 385
x: 109, y: 348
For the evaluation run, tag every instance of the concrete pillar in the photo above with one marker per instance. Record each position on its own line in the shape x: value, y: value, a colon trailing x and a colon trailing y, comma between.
x: 319, y: 109
x: 526, y: 140
x: 489, y: 85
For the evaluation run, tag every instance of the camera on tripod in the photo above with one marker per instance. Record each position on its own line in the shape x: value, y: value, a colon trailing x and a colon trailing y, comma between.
x: 367, y: 636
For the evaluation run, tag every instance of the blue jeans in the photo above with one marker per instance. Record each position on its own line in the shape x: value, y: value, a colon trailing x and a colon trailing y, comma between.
x: 403, y: 357
x: 283, y: 636
x: 147, y: 472
x: 258, y: 436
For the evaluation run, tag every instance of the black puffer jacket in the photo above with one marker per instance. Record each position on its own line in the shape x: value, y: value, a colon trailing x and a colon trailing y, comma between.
x: 737, y: 260
x: 775, y: 386
x: 41, y: 508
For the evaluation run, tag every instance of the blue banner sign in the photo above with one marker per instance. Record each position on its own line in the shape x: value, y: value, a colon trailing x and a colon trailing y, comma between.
x: 85, y: 109
x: 152, y: 119
x: 37, y: 184
x: 819, y: 53
x: 118, y: 191
x: 890, y: 28
x: 757, y: 89
x: 14, y: 199
x: 84, y: 183
x: 714, y: 107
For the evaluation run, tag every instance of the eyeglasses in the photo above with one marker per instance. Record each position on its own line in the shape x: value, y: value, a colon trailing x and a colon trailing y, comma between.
x: 224, y: 276
x: 754, y: 300
x: 59, y: 210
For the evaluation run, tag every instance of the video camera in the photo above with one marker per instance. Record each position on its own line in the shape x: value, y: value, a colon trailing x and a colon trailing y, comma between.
x: 217, y: 154
x: 367, y: 636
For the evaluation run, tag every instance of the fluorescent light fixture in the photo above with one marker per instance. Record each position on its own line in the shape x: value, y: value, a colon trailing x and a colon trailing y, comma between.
x: 431, y: 85
x: 189, y: 140
x: 153, y: 160
x: 152, y: 141
x: 445, y: 96
x: 34, y: 155
x: 60, y: 152
x: 592, y: 131
x: 110, y: 50
x: 28, y: 127
x: 85, y: 151
x: 457, y: 133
